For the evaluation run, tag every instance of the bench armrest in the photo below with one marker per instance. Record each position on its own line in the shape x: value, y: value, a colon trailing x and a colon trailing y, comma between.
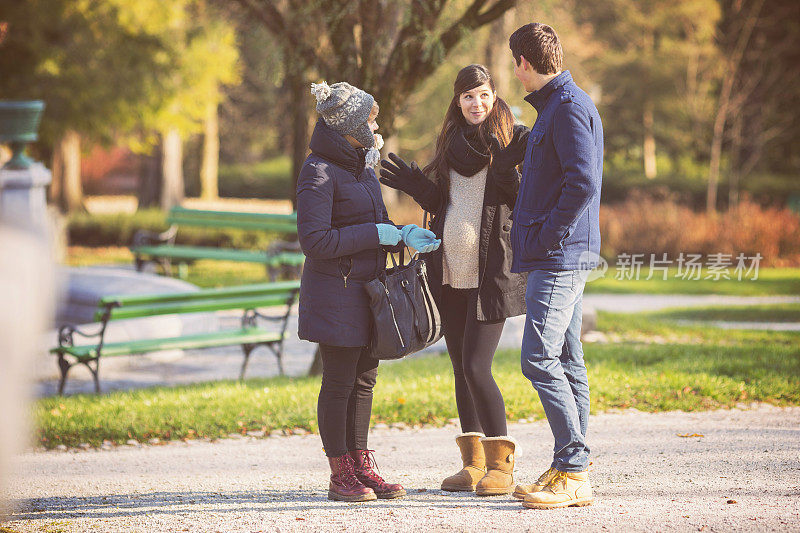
x: 67, y: 332
x: 145, y: 237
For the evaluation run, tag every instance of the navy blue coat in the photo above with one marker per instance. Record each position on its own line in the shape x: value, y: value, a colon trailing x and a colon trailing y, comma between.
x: 556, y: 216
x: 338, y: 204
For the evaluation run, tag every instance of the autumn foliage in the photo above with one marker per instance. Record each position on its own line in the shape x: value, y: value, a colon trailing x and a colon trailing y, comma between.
x: 642, y: 224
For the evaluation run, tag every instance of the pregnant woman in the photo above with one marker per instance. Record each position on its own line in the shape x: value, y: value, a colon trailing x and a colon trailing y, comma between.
x: 470, y: 188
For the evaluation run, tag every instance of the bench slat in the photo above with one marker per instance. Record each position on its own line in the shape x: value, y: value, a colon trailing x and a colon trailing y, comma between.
x: 240, y: 215
x: 277, y: 287
x: 221, y: 254
x: 220, y: 338
x: 289, y: 258
x: 288, y: 227
x: 202, y: 252
x: 195, y: 306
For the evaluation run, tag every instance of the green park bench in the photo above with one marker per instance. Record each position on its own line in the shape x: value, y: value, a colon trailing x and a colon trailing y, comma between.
x: 161, y: 248
x: 249, y: 298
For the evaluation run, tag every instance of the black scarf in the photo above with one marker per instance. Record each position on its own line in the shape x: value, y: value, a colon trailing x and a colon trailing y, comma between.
x: 466, y: 153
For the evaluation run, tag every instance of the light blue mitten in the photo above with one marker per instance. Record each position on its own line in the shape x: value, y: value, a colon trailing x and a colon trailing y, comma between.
x: 422, y: 240
x: 388, y: 235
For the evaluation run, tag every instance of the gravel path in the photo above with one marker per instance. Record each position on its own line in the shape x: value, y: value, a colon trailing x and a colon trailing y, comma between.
x: 742, y: 474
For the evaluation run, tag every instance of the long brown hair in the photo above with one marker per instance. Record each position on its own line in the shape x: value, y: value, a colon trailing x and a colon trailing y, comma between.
x: 499, y: 122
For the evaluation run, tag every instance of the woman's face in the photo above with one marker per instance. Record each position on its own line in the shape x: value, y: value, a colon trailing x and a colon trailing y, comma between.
x: 373, y: 125
x: 372, y: 120
x: 477, y: 103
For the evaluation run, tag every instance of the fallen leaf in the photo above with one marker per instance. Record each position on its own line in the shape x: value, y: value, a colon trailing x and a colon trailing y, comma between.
x: 689, y: 435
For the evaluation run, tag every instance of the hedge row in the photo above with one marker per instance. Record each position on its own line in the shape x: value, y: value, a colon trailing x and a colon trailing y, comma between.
x: 86, y: 229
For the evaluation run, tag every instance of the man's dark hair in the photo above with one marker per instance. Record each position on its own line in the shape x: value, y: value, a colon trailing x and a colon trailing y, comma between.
x: 540, y: 46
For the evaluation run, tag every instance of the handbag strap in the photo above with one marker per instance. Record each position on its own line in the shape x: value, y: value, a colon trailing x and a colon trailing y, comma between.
x: 431, y: 309
x: 407, y: 288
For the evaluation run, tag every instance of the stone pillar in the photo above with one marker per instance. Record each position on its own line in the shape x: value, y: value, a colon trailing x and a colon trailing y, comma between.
x: 22, y: 196
x: 26, y: 290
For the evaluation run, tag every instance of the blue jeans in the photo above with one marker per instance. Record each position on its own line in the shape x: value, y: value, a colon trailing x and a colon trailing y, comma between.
x: 552, y: 359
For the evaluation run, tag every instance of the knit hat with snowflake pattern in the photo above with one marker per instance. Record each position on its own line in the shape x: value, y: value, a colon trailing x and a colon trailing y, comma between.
x: 346, y: 109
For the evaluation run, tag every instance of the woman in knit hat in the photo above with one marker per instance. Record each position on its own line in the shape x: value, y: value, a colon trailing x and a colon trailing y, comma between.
x: 342, y: 226
x: 470, y: 188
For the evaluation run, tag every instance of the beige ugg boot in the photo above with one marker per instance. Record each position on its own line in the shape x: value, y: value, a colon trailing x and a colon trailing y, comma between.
x: 474, y: 464
x: 499, y: 478
x: 523, y: 490
x: 565, y: 489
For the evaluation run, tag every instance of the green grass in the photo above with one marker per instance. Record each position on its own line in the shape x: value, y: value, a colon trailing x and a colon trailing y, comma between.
x: 771, y: 281
x: 204, y: 273
x: 752, y: 313
x: 651, y: 364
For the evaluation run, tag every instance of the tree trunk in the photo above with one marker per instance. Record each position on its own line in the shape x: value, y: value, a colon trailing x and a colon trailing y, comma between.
x: 71, y: 157
x: 735, y: 173
x: 498, y: 56
x: 149, y: 191
x: 731, y: 73
x: 209, y: 170
x: 716, y: 143
x: 649, y: 145
x: 172, y: 189
x: 299, y: 111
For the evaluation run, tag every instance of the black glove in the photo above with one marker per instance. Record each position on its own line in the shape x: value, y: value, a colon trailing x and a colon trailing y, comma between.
x: 506, y: 159
x: 398, y: 175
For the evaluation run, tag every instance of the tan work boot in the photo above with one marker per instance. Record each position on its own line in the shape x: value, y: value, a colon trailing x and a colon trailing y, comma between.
x: 473, y: 461
x: 523, y: 490
x: 499, y: 478
x: 566, y: 489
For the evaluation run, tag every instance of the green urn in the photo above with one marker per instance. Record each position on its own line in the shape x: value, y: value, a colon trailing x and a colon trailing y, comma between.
x: 19, y: 124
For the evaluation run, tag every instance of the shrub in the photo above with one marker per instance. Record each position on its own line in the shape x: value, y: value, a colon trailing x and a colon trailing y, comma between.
x: 267, y: 179
x: 642, y: 224
x: 86, y: 229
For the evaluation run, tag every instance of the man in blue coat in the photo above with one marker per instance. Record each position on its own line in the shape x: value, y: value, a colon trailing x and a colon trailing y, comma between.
x: 556, y: 240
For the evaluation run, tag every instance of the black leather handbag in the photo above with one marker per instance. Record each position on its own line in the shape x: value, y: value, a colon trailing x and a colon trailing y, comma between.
x: 405, y: 318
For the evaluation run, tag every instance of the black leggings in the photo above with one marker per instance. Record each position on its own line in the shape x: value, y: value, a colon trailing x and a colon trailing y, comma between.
x: 472, y: 345
x: 345, y: 398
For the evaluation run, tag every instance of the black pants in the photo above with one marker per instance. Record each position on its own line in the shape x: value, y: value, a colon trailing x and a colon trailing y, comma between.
x: 345, y: 398
x: 472, y: 345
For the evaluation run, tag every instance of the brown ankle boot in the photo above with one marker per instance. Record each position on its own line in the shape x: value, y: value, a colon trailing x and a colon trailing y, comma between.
x: 473, y: 461
x: 363, y: 465
x: 499, y: 478
x: 345, y: 486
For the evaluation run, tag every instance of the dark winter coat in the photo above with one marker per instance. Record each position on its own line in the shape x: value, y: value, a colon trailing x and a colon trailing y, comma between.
x: 501, y: 294
x: 556, y: 219
x: 338, y: 204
